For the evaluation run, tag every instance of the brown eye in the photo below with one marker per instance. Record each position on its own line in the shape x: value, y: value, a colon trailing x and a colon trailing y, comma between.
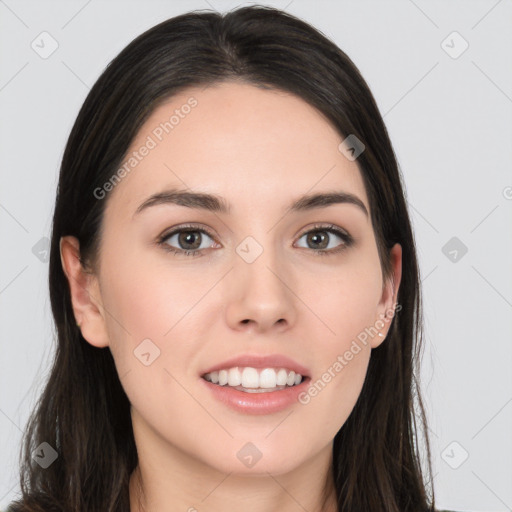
x: 318, y: 239
x: 322, y: 239
x: 189, y: 240
x: 186, y: 240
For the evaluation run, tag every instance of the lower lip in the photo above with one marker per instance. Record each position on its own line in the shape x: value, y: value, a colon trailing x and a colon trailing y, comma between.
x: 257, y: 403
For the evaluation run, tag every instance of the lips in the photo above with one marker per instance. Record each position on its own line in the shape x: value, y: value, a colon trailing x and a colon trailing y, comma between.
x: 267, y: 402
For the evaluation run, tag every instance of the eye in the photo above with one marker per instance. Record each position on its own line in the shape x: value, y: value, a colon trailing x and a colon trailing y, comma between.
x: 320, y: 237
x: 188, y: 238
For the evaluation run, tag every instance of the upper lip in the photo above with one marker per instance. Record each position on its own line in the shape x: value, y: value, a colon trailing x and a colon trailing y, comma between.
x: 260, y: 361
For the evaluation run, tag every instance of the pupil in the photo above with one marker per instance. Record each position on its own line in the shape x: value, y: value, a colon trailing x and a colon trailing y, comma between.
x: 318, y: 238
x: 187, y: 236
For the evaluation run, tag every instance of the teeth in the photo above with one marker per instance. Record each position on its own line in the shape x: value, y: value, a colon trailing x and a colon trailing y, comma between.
x: 234, y: 377
x: 223, y: 377
x: 251, y: 379
x: 268, y: 378
x: 282, y: 377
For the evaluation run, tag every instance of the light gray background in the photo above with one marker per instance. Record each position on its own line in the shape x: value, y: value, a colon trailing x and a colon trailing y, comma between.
x: 450, y: 124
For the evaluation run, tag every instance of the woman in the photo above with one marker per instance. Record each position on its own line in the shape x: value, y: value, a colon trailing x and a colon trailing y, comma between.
x: 234, y: 282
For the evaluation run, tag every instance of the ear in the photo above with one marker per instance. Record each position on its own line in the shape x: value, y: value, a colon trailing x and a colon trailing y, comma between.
x: 85, y: 293
x: 387, y: 303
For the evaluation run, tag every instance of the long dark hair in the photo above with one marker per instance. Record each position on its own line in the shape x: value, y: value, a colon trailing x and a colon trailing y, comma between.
x: 84, y: 413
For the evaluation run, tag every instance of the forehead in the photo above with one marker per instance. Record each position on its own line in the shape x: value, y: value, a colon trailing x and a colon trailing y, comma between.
x: 250, y: 145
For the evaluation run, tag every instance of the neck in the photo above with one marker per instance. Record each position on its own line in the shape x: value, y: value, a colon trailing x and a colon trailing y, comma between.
x: 263, y: 494
x: 167, y: 478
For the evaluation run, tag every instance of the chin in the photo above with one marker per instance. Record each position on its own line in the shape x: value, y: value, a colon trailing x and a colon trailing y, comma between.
x: 258, y: 459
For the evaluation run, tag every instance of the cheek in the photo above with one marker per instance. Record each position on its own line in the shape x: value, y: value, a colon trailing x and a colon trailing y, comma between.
x: 151, y: 338
x: 345, y: 300
x: 346, y: 303
x: 150, y: 295
x: 148, y: 302
x: 336, y: 387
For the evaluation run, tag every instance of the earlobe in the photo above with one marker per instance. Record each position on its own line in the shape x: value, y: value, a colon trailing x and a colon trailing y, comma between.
x: 84, y: 292
x: 388, y: 301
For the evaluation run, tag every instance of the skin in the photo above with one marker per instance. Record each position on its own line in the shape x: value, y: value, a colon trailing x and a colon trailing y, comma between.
x: 259, y: 149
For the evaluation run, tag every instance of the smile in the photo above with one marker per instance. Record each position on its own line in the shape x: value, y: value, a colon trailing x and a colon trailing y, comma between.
x: 254, y: 380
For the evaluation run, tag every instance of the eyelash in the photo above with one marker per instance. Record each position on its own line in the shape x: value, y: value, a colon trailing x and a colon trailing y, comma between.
x: 331, y: 228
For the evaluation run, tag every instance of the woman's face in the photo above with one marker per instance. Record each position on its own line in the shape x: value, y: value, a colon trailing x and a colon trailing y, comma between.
x: 267, y: 279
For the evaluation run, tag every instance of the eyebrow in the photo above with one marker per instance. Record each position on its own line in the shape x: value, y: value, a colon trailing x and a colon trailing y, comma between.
x: 217, y: 204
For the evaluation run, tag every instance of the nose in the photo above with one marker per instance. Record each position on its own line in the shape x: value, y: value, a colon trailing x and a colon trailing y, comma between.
x: 260, y: 294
